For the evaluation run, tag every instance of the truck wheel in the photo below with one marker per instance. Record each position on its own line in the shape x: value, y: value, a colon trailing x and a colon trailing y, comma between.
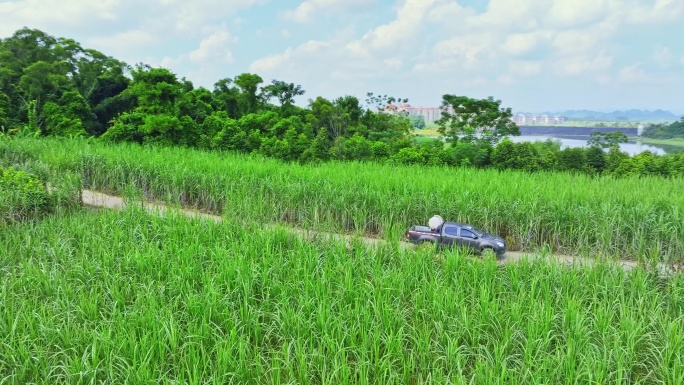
x: 488, y: 253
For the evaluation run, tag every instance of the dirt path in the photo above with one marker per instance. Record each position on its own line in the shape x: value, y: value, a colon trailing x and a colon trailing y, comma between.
x: 98, y: 199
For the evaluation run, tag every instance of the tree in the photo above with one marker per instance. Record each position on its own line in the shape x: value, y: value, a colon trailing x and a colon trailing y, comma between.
x: 614, y: 159
x: 418, y: 122
x: 503, y: 154
x: 156, y: 90
x: 227, y: 98
x: 4, y: 108
x: 285, y: 93
x: 463, y: 118
x: 250, y: 98
x: 196, y: 104
x: 61, y: 123
x: 319, y: 149
x: 596, y: 159
x: 333, y: 119
x: 607, y: 140
x: 358, y: 148
x: 408, y: 155
x: 665, y: 131
x: 573, y: 159
x: 383, y: 102
x: 519, y: 156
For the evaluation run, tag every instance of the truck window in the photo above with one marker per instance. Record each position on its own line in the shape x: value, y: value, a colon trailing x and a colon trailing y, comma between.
x: 467, y: 234
x: 453, y: 231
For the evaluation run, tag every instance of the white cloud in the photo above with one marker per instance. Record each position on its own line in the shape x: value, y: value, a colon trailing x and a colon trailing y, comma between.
x: 633, y: 74
x: 410, y: 17
x: 637, y: 73
x: 214, y: 48
x: 205, y: 62
x: 308, y: 10
x: 573, y: 13
x: 444, y: 12
x: 120, y: 24
x: 525, y: 68
x: 192, y: 16
x: 522, y: 43
x: 472, y: 51
x: 661, y: 11
x: 50, y: 14
x: 131, y: 39
x: 576, y: 65
x: 275, y: 62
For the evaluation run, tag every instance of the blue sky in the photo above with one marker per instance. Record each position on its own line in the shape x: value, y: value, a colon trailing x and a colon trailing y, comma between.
x: 534, y: 55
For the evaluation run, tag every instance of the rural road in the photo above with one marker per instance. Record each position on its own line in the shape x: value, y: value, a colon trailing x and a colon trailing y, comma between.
x: 98, y: 199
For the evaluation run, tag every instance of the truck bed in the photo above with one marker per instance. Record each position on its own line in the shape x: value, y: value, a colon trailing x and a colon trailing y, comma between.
x: 423, y: 229
x: 417, y: 232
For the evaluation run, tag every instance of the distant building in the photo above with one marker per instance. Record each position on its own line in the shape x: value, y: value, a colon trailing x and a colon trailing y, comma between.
x: 520, y: 119
x: 430, y: 114
x: 535, y: 119
x: 433, y: 114
x: 558, y: 120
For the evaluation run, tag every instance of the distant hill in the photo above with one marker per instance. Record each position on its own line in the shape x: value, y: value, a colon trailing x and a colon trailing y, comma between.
x: 616, y: 116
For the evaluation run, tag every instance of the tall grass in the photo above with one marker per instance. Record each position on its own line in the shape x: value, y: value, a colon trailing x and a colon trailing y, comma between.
x: 95, y: 297
x: 568, y: 213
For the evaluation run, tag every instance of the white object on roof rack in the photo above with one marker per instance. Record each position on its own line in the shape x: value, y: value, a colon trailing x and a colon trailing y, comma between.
x: 435, y: 222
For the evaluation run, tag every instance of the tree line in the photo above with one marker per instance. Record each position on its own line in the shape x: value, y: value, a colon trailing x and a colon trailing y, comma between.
x: 54, y: 86
x: 665, y: 131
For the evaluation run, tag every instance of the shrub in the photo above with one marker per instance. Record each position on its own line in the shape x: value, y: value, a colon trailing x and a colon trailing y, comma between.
x: 21, y: 195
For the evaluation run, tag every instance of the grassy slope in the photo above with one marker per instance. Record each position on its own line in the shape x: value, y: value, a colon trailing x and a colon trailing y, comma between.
x: 679, y: 142
x: 629, y: 218
x: 132, y: 298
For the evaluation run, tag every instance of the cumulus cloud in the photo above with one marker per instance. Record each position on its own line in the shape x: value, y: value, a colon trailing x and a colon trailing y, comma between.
x: 634, y: 74
x: 525, y: 68
x: 119, y: 22
x: 132, y: 39
x: 308, y: 10
x: 284, y: 60
x: 214, y: 48
x: 410, y: 17
x: 640, y: 73
x: 577, y: 65
x: 51, y: 14
x: 205, y: 62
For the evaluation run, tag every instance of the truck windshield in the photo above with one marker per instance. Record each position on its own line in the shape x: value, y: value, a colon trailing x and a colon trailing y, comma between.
x: 476, y: 231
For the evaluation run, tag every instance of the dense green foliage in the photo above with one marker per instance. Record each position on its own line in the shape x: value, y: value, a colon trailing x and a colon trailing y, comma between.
x: 629, y: 218
x: 24, y: 193
x: 21, y: 195
x: 56, y: 87
x: 106, y: 297
x: 665, y: 131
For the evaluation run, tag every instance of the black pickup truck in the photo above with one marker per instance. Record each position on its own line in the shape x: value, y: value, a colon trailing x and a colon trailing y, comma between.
x: 453, y: 234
